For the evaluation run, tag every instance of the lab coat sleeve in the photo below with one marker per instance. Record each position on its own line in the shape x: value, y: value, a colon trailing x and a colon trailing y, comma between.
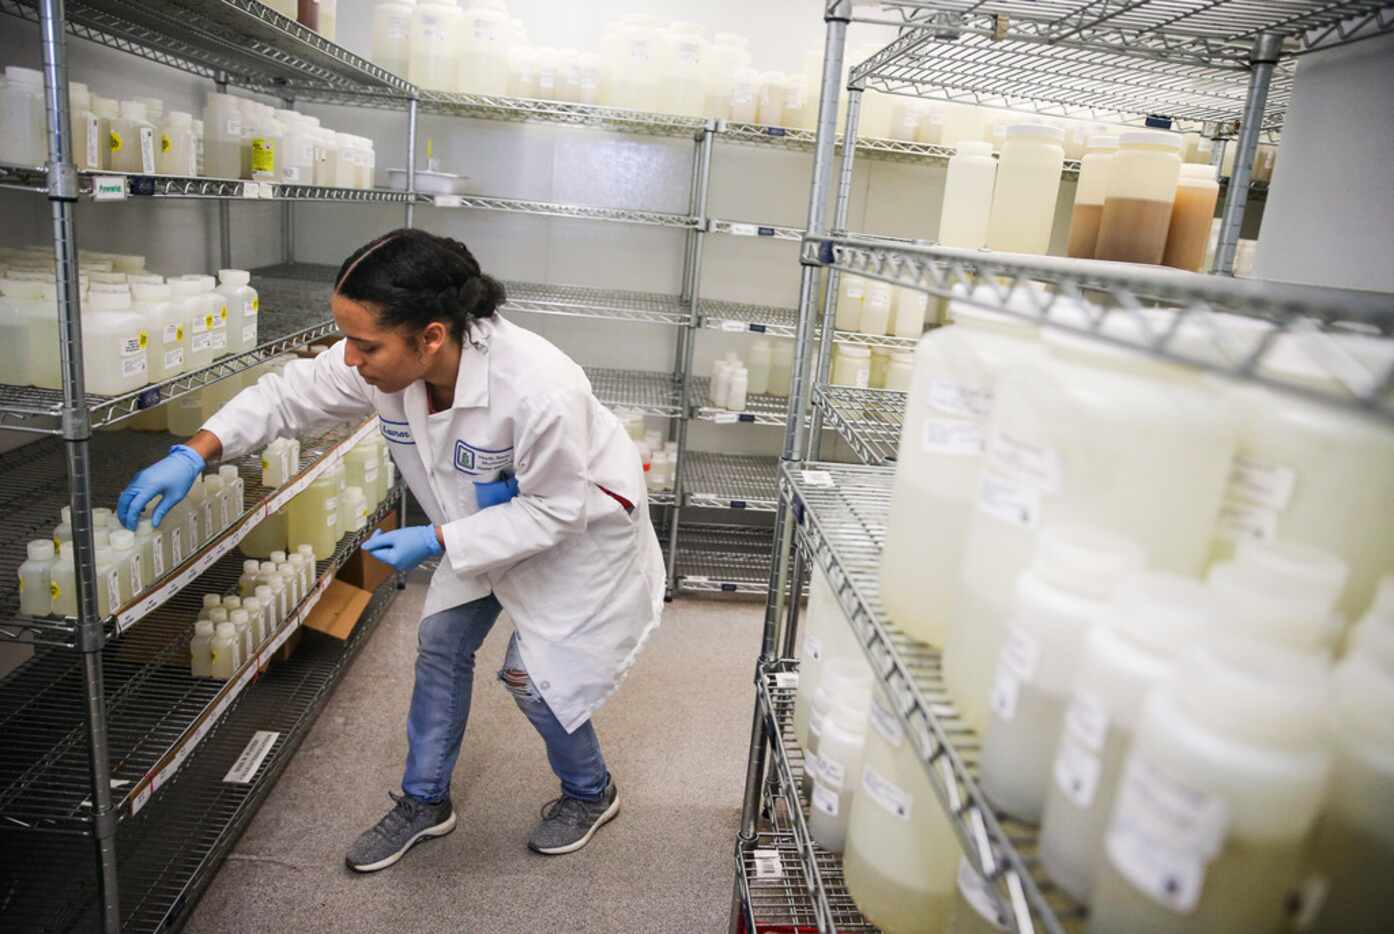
x: 551, y: 446
x: 305, y: 396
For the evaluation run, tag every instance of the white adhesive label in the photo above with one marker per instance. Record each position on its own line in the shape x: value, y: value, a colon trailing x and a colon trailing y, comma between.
x: 225, y: 510
x: 157, y: 555
x: 817, y: 478
x: 217, y: 340
x: 1164, y: 833
x: 172, y: 334
x: 1076, y: 771
x: 886, y: 793
x: 831, y: 772
x: 726, y: 418
x: 955, y: 437
x: 147, y: 149
x: 208, y: 519
x: 814, y: 645
x: 855, y: 288
x: 290, y: 173
x: 863, y: 379
x: 1021, y: 653
x: 113, y: 590
x: 1035, y: 466
x: 174, y: 358
x: 815, y: 724
x: 201, y: 342
x: 1261, y: 484
x: 825, y: 800
x: 1087, y: 719
x: 176, y: 546
x: 974, y: 890
x: 255, y: 752
x: 133, y: 345
x: 957, y: 399
x: 885, y: 723
x: 202, y: 324
x: 734, y: 326
x: 1008, y: 500
x: 137, y: 574
x: 1239, y: 520
x: 233, y: 126
x: 1006, y: 691
x: 249, y: 335
x: 399, y: 27
x: 133, y: 366
x: 192, y: 530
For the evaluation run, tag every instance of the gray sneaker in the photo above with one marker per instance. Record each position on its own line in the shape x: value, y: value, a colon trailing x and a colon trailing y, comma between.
x: 409, y: 822
x: 569, y: 823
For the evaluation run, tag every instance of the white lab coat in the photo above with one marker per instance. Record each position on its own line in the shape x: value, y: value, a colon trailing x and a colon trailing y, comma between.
x: 582, y: 579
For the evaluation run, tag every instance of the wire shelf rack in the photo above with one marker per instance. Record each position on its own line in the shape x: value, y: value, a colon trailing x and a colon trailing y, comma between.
x: 157, y: 713
x: 649, y: 392
x: 743, y: 229
x: 730, y: 481
x: 738, y: 317
x: 106, y: 187
x: 841, y: 529
x: 760, y: 408
x: 867, y: 419
x: 556, y: 209
x: 176, y: 844
x: 251, y: 43
x: 37, y: 488
x: 724, y: 559
x: 1330, y: 320
x: 518, y: 109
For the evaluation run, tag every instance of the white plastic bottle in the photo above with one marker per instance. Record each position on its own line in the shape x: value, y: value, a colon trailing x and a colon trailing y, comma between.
x: 297, y: 149
x: 1090, y: 192
x: 225, y: 652
x: 247, y: 582
x: 106, y: 110
x: 1224, y: 783
x: 116, y: 341
x: 782, y: 368
x: 956, y: 373
x: 270, y: 609
x: 36, y: 578
x: 63, y: 583
x: 967, y: 195
x: 87, y: 150
x: 256, y: 620
x: 242, y: 625
x: 392, y: 35
x: 222, y: 137
x: 851, y: 294
x: 243, y: 305
x: 200, y: 168
x: 293, y: 582
x: 827, y: 637
x: 1089, y: 434
x: 745, y: 95
x: 215, y: 308
x: 720, y: 383
x: 483, y: 61
x: 1023, y: 197
x: 852, y: 366
x: 129, y: 565
x: 154, y: 550
x: 774, y: 87
x: 737, y: 392
x: 235, y: 492
x: 201, y: 650
x: 901, y: 854
x: 1153, y: 616
x: 108, y: 581
x: 190, y: 305
x: 22, y: 110
x: 758, y: 366
x: 900, y: 372
x: 910, y: 308
x: 165, y: 321
x: 837, y: 769
x: 131, y: 140
x: 876, y: 309
x: 176, y: 154
x: 433, y: 59
x: 310, y: 571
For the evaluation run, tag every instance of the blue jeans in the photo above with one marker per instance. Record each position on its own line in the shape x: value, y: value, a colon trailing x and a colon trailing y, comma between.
x: 440, y: 707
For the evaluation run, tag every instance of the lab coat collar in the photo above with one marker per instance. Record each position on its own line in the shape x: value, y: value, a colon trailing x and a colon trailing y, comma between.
x: 472, y: 382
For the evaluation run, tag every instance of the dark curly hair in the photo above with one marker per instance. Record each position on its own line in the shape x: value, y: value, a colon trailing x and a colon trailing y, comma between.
x: 412, y: 278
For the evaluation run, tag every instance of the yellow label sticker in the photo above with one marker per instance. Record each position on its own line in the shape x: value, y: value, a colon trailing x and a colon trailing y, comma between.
x: 179, y: 332
x: 263, y: 155
x: 256, y: 304
x: 143, y: 339
x: 207, y: 321
x: 265, y: 464
x: 114, y: 142
x: 166, y: 144
x: 21, y: 585
x: 222, y: 313
x: 54, y: 590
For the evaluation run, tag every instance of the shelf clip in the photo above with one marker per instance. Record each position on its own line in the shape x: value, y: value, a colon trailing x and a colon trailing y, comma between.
x: 62, y: 181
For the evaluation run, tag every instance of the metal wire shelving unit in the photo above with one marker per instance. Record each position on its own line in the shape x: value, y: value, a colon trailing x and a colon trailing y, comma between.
x: 834, y: 516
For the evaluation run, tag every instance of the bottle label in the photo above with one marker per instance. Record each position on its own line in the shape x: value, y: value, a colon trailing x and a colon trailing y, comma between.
x: 689, y: 53
x: 1087, y: 719
x: 114, y: 141
x: 957, y: 399
x: 1261, y: 484
x: 886, y: 793
x: 201, y: 342
x: 952, y: 436
x: 137, y: 578
x: 173, y: 333
x: 290, y: 173
x: 94, y: 159
x: 208, y: 519
x: 1009, y: 501
x: 174, y: 358
x: 1006, y: 692
x: 831, y: 772
x: 815, y: 723
x: 1033, y: 465
x: 825, y: 800
x: 370, y: 474
x: 234, y: 126
x: 176, y: 546
x: 744, y: 94
x: 133, y: 366
x: 1164, y: 833
x: 856, y: 288
x: 885, y: 723
x: 147, y: 149
x: 974, y: 890
x: 1021, y: 653
x: 546, y: 79
x: 263, y: 155
x: 251, y: 306
x: 1238, y: 520
x: 249, y: 335
x: 135, y: 345
x: 225, y: 508
x: 157, y: 555
x: 811, y: 643
x: 398, y: 28
x: 202, y: 323
x: 217, y: 341
x: 863, y: 378
x: 192, y: 530
x: 1076, y: 771
x: 113, y: 590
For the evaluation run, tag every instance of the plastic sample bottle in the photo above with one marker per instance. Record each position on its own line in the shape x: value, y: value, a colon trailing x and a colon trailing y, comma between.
x: 243, y: 305
x: 782, y: 368
x: 876, y: 309
x: 1028, y: 181
x: 758, y: 365
x: 483, y: 61
x: 176, y: 153
x: 291, y: 577
x: 1224, y: 783
x: 391, y: 48
x: 957, y: 369
x: 116, y: 342
x: 168, y: 347
x: 314, y: 518
x: 900, y: 373
x: 827, y: 637
x: 108, y: 581
x: 201, y: 650
x: 222, y: 136
x: 1166, y: 442
x: 242, y: 625
x: 130, y: 568
x: 1270, y: 593
x: 131, y: 140
x: 434, y: 58
x: 310, y: 571
x: 235, y: 493
x: 297, y: 148
x: 87, y: 149
x: 266, y: 536
x: 837, y: 766
x: 247, y: 582
x: 340, y: 475
x: 22, y: 114
x: 852, y: 366
x: 901, y: 855
x: 225, y: 652
x: 154, y: 551
x: 191, y: 306
x: 851, y: 294
x: 967, y: 195
x: 911, y: 306
x: 63, y: 583
x: 1090, y: 192
x: 106, y: 110
x: 270, y: 608
x: 1141, y: 190
x: 36, y: 578
x: 739, y: 388
x: 1192, y: 212
x: 745, y: 96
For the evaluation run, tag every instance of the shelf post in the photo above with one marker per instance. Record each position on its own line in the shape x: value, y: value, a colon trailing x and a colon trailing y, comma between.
x: 1267, y: 49
x: 77, y: 434
x: 412, y: 104
x: 288, y: 215
x: 224, y: 207
x: 838, y: 14
x: 688, y: 338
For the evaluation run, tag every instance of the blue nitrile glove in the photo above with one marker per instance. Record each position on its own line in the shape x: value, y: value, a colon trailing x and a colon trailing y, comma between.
x: 500, y: 491
x: 169, y: 479
x: 404, y: 548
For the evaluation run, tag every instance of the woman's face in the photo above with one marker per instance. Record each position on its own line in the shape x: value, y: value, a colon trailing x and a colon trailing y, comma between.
x: 383, y: 356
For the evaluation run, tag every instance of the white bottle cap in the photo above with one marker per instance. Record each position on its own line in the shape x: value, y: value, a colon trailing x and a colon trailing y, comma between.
x: 105, y: 555
x: 306, y: 550
x: 1151, y: 138
x: 145, y: 525
x: 1259, y: 692
x: 40, y: 549
x: 268, y: 567
x: 227, y: 472
x: 151, y: 292
x: 251, y: 566
x: 231, y: 603
x: 1290, y: 567
x: 278, y: 556
x: 121, y: 539
x: 226, y: 630
x: 183, y: 288
x: 973, y: 147
x: 239, y: 617
x: 264, y: 592
x: 1083, y: 559
x: 252, y: 605
x: 234, y: 276
x: 203, y: 627
x: 218, y: 615
x: 101, y: 538
x: 1197, y: 171
x: 27, y: 77
x: 133, y: 110
x: 102, y: 517
x: 180, y: 118
x: 211, y: 600
x: 1051, y: 134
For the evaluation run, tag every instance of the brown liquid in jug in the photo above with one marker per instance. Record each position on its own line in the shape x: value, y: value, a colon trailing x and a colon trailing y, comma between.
x: 1133, y: 230
x: 1189, y: 234
x: 1084, y: 230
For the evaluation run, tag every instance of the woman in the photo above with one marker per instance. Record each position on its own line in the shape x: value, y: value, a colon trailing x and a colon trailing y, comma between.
x: 467, y: 399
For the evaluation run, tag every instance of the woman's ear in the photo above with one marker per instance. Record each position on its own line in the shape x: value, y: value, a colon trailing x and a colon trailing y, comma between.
x: 434, y: 336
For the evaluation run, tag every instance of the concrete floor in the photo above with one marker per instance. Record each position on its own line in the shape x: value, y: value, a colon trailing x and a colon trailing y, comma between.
x: 674, y: 736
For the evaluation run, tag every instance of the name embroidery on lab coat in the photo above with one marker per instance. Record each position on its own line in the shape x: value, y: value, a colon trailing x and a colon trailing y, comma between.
x: 472, y: 460
x: 396, y: 432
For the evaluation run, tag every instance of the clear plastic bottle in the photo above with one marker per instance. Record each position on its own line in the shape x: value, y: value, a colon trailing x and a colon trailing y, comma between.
x: 782, y: 368
x: 1260, y: 604
x: 311, y: 571
x: 1090, y: 192
x: 297, y: 149
x: 1153, y: 616
x: 1224, y: 783
x: 225, y: 652
x: 774, y: 88
x: 434, y: 57
x: 1028, y: 181
x: 36, y: 578
x: 165, y: 320
x: 876, y: 309
x: 1192, y: 212
x: 758, y: 366
x: 63, y: 583
x: 745, y: 96
x: 340, y: 475
x: 269, y: 578
x: 22, y: 114
x: 1141, y: 190
x: 192, y: 306
x: 242, y: 304
x: 911, y: 305
x: 293, y: 581
x: 740, y: 387
x: 901, y: 855
x: 270, y: 611
x: 1059, y: 597
x: 235, y: 492
x: 851, y: 294
x: 116, y: 342
x: 87, y: 149
x: 852, y: 366
x: 154, y: 550
x: 247, y: 582
x: 967, y: 195
x: 201, y: 650
x: 837, y: 768
x: 1091, y: 434
x: 176, y: 152
x: 266, y: 536
x: 483, y: 60
x: 682, y: 56
x: 107, y: 110
x: 242, y: 625
x: 131, y: 140
x: 129, y: 565
x: 222, y: 136
x: 108, y: 581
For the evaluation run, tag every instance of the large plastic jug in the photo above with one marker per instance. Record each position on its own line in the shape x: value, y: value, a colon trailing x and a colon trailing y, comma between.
x: 957, y: 369
x: 115, y: 343
x: 1028, y: 180
x: 176, y: 154
x: 967, y: 195
x: 1092, y: 434
x: 682, y: 57
x: 902, y: 855
x: 314, y: 518
x: 1141, y: 189
x: 222, y: 137
x: 1059, y: 599
x: 392, y: 35
x: 131, y: 140
x: 209, y: 333
x: 242, y: 305
x: 483, y: 57
x: 1090, y: 192
x: 1283, y: 593
x: 433, y: 59
x: 1224, y: 783
x: 168, y: 327
x: 22, y: 108
x: 1192, y: 212
x: 851, y: 294
x: 836, y: 768
x: 86, y: 135
x: 1153, y: 615
x: 727, y: 54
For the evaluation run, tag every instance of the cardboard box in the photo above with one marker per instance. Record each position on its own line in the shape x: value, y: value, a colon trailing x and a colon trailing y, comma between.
x: 364, y: 571
x: 339, y: 610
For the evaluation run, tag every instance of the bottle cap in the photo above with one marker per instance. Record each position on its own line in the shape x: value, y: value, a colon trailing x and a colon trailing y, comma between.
x: 278, y: 556
x: 218, y: 615
x: 151, y: 292
x: 251, y: 566
x: 264, y: 592
x: 972, y: 147
x: 1050, y: 134
x: 212, y: 600
x: 236, y: 277
x: 226, y: 630
x: 40, y: 549
x: 121, y: 539
x: 203, y: 627
x: 231, y: 603
x: 238, y: 617
x: 1083, y: 559
x: 1151, y: 138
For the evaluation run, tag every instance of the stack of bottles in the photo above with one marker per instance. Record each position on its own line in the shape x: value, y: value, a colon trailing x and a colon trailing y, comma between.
x: 138, y: 328
x: 128, y: 563
x: 659, y: 457
x: 246, y: 139
x: 231, y: 629
x: 1143, y: 577
x: 766, y: 370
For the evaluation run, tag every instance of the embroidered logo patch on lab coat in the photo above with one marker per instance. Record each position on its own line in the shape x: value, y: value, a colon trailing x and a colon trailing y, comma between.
x: 396, y: 432
x: 472, y: 460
